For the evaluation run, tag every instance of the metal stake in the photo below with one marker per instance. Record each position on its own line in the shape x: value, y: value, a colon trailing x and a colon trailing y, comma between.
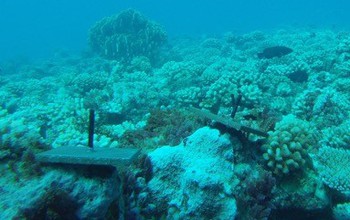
x: 91, y: 128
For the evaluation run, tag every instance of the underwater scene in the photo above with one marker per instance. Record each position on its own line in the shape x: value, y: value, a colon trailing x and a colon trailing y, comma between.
x: 225, y: 110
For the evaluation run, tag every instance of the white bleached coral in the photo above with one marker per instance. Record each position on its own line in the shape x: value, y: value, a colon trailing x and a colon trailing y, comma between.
x: 192, y: 180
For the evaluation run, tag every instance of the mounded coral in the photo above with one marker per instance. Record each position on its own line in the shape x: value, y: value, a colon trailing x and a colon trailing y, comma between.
x: 286, y: 147
x: 127, y: 35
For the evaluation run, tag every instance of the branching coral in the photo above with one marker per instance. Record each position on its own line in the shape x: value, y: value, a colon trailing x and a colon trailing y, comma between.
x: 180, y: 74
x: 324, y: 106
x: 337, y: 136
x: 220, y: 91
x: 333, y: 167
x: 189, y: 95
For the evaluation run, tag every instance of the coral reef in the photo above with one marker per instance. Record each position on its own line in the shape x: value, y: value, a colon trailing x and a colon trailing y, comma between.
x: 201, y: 175
x: 127, y: 35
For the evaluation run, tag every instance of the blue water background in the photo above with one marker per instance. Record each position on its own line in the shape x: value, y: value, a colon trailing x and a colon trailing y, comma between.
x: 38, y: 28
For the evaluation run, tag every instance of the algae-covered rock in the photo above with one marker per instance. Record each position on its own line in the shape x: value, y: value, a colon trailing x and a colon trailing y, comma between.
x: 305, y: 197
x: 89, y: 198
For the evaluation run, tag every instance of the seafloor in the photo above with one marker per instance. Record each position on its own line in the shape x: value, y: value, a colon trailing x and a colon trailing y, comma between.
x: 190, y: 168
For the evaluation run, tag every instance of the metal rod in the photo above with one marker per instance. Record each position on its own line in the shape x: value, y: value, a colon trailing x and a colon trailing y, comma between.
x: 236, y: 104
x: 91, y: 128
x: 227, y: 122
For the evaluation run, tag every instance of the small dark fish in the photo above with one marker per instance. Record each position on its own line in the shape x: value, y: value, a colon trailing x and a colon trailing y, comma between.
x: 272, y: 52
x: 298, y: 76
x: 112, y: 118
x: 250, y: 117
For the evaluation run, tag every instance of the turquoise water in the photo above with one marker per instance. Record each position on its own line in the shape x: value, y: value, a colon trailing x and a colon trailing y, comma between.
x: 174, y: 110
x: 38, y: 28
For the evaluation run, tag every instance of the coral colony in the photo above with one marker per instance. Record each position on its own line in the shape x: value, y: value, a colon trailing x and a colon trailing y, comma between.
x: 252, y: 126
